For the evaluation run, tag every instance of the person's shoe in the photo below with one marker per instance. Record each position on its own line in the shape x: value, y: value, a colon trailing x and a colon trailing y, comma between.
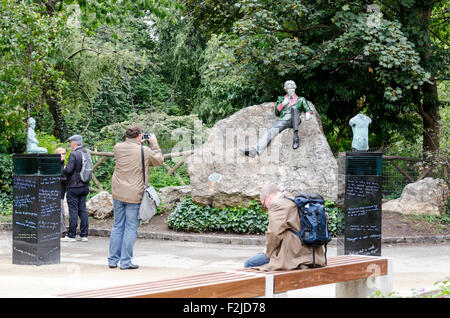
x: 131, y: 266
x: 68, y: 239
x: 295, y: 143
x: 249, y: 152
x: 82, y: 239
x: 112, y: 266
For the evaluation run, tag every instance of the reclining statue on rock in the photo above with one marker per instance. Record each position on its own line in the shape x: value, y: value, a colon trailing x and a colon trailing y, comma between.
x: 288, y: 109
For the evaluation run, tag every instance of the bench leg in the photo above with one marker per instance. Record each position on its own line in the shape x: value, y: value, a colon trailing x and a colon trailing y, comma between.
x: 362, y: 288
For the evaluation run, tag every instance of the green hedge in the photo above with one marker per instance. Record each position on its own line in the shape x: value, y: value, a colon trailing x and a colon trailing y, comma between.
x: 6, y: 177
x: 190, y: 217
x: 336, y: 218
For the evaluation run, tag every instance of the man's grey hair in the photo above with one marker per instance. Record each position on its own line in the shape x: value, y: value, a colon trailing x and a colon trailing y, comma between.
x: 268, y: 189
x: 289, y: 83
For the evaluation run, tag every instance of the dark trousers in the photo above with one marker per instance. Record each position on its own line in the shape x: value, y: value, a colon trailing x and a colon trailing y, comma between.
x: 76, y: 201
x: 276, y: 128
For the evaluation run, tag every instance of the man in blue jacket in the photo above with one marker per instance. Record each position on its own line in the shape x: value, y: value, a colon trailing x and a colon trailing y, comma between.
x: 77, y: 191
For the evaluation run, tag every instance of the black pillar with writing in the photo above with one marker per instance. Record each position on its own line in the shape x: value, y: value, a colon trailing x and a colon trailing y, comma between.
x: 363, y: 175
x: 36, y: 209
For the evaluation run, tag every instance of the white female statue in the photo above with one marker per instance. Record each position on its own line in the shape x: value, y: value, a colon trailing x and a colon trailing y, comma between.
x: 32, y: 142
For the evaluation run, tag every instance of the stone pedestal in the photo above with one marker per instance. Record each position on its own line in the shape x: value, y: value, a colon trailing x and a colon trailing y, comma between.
x: 363, y: 288
x: 362, y: 234
x: 36, y: 209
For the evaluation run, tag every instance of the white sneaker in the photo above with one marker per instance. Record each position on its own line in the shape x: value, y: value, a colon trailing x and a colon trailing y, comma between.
x: 67, y: 239
x: 82, y: 239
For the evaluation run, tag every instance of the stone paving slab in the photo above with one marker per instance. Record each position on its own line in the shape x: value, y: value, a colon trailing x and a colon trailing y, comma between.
x: 241, y: 239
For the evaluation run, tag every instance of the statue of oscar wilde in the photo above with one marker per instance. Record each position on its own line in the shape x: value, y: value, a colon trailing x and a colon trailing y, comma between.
x: 288, y: 109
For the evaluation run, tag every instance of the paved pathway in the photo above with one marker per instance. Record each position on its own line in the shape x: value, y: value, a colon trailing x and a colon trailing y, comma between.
x: 84, y: 266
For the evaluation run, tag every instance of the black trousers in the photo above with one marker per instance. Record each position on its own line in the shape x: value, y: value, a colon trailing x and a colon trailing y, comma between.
x: 76, y: 201
x: 276, y: 128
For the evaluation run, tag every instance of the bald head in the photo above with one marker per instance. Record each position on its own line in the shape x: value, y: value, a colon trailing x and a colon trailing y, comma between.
x: 268, y: 189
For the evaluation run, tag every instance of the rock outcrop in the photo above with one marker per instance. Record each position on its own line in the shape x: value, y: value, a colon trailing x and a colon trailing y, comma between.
x: 173, y: 195
x: 100, y: 206
x: 427, y: 196
x: 220, y: 175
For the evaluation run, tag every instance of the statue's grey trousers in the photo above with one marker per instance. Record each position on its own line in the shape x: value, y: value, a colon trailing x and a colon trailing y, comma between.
x: 276, y: 128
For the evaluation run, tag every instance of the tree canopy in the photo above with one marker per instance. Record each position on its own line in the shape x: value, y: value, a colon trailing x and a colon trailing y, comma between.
x: 78, y: 66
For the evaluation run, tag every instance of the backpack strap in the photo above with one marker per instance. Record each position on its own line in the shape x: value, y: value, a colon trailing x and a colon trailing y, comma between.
x: 314, y: 256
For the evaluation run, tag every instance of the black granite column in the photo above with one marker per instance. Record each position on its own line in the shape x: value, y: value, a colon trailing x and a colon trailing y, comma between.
x: 36, y: 209
x: 363, y: 176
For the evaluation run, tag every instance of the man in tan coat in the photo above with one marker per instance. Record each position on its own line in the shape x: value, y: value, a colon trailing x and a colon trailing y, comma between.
x: 284, y: 250
x: 127, y: 190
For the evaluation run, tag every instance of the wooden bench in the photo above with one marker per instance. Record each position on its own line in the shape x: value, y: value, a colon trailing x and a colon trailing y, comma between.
x: 354, y: 275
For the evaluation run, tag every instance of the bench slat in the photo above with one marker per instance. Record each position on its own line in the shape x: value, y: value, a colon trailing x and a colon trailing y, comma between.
x: 329, y: 275
x: 247, y: 282
x: 194, y: 284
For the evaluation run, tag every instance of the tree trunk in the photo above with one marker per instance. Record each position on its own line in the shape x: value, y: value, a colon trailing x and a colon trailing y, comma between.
x: 430, y: 105
x: 60, y: 126
x: 430, y: 115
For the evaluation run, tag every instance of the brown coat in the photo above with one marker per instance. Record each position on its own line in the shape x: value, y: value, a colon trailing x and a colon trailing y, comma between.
x: 284, y: 248
x: 127, y: 183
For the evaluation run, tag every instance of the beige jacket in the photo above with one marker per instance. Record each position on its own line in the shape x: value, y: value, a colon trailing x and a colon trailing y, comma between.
x: 283, y: 247
x: 127, y: 183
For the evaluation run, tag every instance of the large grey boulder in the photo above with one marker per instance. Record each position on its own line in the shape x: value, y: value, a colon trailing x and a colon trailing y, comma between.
x: 173, y: 195
x: 220, y: 175
x: 100, y: 206
x: 427, y: 196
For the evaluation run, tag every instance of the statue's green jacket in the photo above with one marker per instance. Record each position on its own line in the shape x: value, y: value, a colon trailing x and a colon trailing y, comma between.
x: 284, y: 112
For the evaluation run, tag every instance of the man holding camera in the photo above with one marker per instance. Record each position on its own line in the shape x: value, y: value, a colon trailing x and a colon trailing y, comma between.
x: 127, y: 190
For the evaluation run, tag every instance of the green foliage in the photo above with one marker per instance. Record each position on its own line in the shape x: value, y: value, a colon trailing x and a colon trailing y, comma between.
x: 336, y: 218
x: 190, y: 217
x: 159, y: 178
x: 224, y: 89
x: 338, y: 54
x: 443, y: 291
x: 5, y: 206
x: 441, y: 221
x: 30, y: 42
x: 50, y: 143
x: 174, y: 133
x: 444, y: 287
x: 6, y: 173
x: 6, y: 177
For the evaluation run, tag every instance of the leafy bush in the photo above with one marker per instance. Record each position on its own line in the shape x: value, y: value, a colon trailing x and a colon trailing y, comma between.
x: 336, y: 217
x: 174, y: 133
x: 5, y: 205
x: 50, y: 143
x: 6, y: 176
x: 159, y: 178
x: 6, y: 173
x: 188, y: 216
